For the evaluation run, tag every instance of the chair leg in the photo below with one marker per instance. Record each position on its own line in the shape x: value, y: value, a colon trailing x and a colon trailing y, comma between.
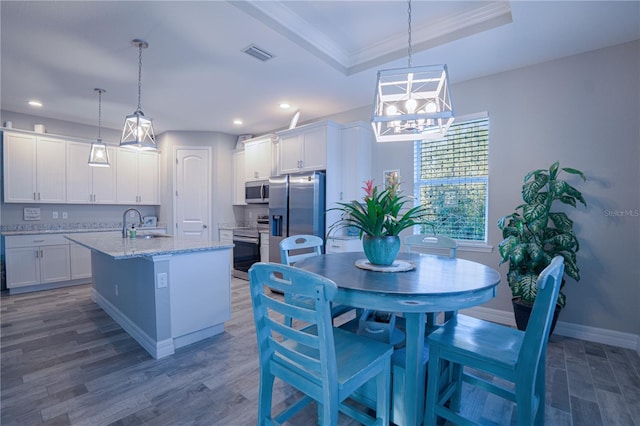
x: 383, y: 397
x: 456, y: 371
x: 265, y: 397
x: 433, y: 385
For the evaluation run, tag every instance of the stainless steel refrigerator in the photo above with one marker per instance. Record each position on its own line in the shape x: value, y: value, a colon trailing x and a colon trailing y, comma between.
x: 296, y: 206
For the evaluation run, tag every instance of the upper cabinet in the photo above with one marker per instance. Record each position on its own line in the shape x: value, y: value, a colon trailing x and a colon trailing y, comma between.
x: 86, y: 184
x: 355, y: 159
x: 258, y: 158
x: 34, y: 169
x: 138, y: 177
x: 239, y: 177
x: 305, y: 148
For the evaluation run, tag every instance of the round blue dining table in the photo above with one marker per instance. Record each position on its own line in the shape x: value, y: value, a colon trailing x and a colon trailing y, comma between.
x: 436, y: 284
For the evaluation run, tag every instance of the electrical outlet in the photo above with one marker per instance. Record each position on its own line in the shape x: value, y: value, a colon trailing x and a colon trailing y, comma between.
x: 54, y: 215
x: 65, y: 215
x: 162, y: 280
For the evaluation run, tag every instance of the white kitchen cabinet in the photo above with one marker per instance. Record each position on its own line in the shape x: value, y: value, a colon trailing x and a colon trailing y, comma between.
x: 239, y: 178
x: 87, y: 184
x: 226, y: 236
x: 306, y: 148
x: 36, y: 259
x: 80, y: 261
x: 339, y: 245
x: 355, y: 160
x: 264, y: 246
x: 34, y: 168
x: 258, y: 158
x: 138, y: 177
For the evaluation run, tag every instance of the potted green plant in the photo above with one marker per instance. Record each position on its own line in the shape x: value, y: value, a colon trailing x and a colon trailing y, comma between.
x: 379, y: 218
x: 534, y: 234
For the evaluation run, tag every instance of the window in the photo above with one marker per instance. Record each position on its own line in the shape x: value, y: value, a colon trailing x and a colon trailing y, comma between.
x: 452, y: 180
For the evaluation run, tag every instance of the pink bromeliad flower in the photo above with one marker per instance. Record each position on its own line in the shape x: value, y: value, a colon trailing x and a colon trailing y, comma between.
x: 368, y: 188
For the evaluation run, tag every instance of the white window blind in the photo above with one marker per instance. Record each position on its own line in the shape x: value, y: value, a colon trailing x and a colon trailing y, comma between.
x: 452, y: 180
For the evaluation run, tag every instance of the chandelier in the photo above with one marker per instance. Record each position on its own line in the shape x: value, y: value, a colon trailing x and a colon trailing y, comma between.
x: 412, y: 103
x: 138, y: 129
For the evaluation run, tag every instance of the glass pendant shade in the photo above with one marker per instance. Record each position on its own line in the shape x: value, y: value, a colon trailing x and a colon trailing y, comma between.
x: 138, y: 132
x: 412, y: 104
x: 99, y: 157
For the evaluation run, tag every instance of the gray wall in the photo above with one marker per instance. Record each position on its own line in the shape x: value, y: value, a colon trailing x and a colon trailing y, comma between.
x: 221, y: 197
x: 583, y: 111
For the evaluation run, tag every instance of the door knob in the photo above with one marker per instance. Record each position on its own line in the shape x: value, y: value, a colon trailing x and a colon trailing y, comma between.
x: 204, y: 226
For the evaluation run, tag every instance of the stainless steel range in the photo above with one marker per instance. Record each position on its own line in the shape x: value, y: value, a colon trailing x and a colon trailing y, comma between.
x: 246, y: 251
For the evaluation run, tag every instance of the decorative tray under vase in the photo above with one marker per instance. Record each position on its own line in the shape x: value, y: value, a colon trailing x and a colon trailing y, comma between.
x: 396, y: 266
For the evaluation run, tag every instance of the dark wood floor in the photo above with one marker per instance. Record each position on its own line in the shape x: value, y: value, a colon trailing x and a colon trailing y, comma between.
x: 65, y: 362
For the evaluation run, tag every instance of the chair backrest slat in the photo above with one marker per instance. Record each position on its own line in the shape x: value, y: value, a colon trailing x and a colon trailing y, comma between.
x: 432, y: 244
x: 298, y: 247
x: 311, y: 347
x: 537, y: 333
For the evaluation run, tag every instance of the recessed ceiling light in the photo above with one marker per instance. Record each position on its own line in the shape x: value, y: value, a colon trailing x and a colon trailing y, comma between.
x: 35, y: 103
x: 237, y: 122
x: 285, y: 105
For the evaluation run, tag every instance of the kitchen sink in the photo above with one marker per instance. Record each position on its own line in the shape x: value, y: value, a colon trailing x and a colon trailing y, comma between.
x: 149, y: 236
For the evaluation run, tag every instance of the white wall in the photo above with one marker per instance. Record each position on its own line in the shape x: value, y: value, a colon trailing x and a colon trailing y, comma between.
x: 583, y: 111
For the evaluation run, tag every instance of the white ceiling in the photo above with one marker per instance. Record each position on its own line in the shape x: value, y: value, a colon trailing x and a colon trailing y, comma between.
x: 326, y: 53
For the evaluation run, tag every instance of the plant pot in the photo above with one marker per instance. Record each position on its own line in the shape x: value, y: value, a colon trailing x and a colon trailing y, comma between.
x: 381, y: 250
x: 522, y: 312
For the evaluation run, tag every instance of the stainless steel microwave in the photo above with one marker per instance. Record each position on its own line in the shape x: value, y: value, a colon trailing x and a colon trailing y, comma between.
x: 256, y: 192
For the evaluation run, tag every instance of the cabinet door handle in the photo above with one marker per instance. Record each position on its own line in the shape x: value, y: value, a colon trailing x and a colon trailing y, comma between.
x: 38, y: 196
x: 37, y: 254
x: 34, y: 196
x: 41, y: 253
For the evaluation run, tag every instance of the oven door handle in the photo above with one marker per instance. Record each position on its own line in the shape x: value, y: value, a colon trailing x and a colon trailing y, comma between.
x: 246, y: 240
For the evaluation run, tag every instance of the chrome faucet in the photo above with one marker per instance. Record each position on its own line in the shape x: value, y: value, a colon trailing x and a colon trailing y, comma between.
x: 124, y: 220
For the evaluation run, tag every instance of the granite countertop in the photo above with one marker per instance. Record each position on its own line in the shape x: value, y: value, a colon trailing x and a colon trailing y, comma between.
x: 112, y: 244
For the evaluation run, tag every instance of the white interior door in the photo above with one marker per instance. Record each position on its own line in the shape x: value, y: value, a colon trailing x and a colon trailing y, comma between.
x: 193, y: 193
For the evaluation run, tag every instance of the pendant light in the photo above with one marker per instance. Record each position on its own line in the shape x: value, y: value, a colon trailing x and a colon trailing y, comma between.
x: 412, y: 103
x: 98, y: 156
x: 138, y: 129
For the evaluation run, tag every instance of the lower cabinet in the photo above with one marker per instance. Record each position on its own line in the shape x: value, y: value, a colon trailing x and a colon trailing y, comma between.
x: 264, y: 246
x: 226, y: 236
x: 42, y: 261
x: 37, y: 259
x: 341, y: 245
x: 80, y: 261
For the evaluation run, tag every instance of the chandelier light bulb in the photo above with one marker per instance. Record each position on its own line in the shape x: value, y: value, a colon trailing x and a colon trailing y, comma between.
x: 431, y: 107
x: 392, y: 110
x: 411, y: 105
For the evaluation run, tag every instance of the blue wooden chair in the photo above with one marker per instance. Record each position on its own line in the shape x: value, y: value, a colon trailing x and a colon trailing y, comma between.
x: 298, y: 247
x: 433, y: 244
x: 325, y: 363
x: 515, y: 356
x: 436, y: 244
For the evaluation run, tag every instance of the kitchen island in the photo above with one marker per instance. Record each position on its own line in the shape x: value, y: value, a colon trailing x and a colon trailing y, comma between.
x: 165, y: 292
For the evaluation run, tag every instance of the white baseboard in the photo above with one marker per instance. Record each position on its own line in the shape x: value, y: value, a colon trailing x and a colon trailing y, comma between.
x: 157, y: 349
x: 591, y: 334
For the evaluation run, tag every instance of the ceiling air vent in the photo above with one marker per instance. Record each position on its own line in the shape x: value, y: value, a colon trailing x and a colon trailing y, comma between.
x: 257, y: 53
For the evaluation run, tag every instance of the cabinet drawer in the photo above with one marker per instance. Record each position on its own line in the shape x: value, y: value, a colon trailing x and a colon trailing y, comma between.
x: 226, y: 235
x: 14, y: 241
